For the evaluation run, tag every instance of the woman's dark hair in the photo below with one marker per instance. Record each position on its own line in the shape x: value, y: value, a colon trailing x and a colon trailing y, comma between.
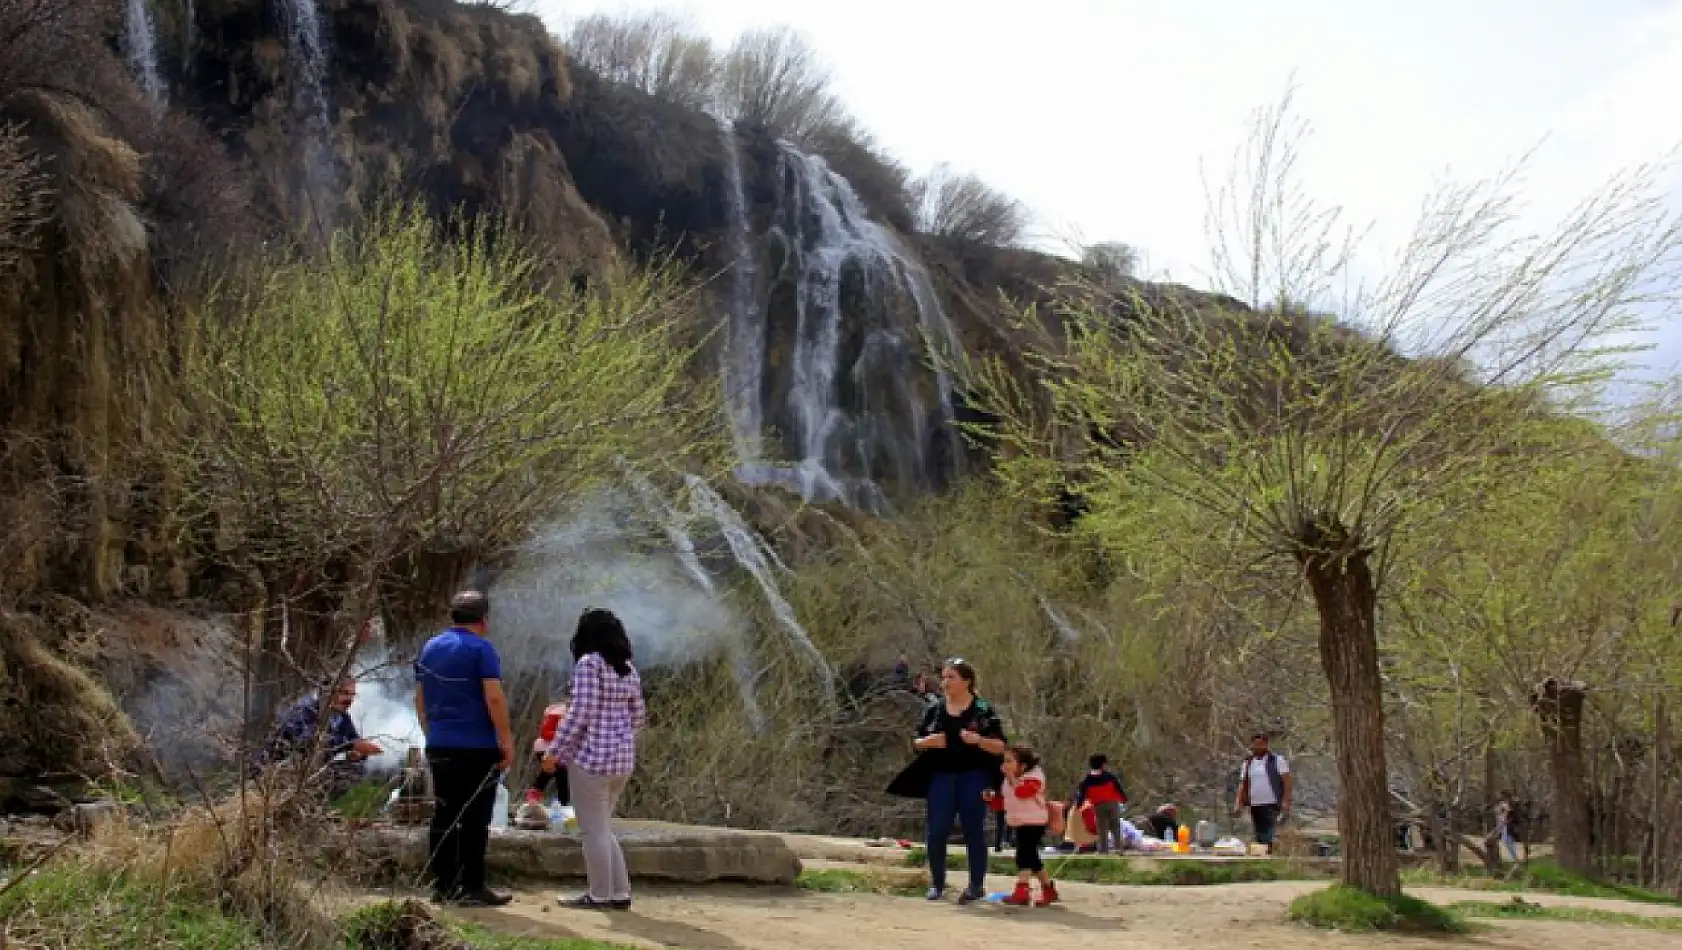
x: 1025, y: 755
x: 600, y: 632
x: 965, y: 672
x: 1097, y: 761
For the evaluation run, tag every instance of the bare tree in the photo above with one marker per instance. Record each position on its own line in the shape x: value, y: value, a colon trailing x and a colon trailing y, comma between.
x: 1318, y: 441
x: 653, y: 51
x: 773, y: 77
x: 963, y: 206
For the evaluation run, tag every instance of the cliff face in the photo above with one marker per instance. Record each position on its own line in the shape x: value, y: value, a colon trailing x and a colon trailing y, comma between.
x: 125, y: 209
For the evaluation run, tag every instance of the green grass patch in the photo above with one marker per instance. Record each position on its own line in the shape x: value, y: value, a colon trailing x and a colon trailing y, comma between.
x: 1542, y: 875
x: 889, y: 881
x: 1520, y: 909
x: 1355, y: 911
x: 70, y: 907
x: 363, y: 801
x: 1163, y: 872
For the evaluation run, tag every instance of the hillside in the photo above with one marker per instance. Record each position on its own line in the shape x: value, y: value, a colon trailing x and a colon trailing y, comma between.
x: 126, y: 206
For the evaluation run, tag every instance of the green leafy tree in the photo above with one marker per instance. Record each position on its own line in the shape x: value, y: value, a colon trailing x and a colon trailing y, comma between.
x: 408, y: 397
x: 1323, y: 443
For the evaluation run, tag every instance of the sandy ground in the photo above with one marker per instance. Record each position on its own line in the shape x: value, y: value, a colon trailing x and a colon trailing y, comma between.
x: 1114, y: 918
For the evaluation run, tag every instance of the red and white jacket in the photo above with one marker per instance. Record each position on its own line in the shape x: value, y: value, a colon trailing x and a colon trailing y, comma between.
x: 1024, y: 799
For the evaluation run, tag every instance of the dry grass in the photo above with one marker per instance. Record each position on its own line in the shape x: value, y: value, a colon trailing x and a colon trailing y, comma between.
x: 56, y: 718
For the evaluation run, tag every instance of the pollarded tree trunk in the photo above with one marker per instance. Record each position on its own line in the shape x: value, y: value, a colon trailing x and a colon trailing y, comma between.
x: 1346, y: 600
x: 1559, y: 707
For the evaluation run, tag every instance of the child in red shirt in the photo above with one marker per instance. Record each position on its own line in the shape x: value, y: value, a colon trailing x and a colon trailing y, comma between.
x: 1026, y: 811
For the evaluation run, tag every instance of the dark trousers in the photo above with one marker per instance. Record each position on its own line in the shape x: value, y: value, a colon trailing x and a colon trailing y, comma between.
x: 1001, y: 832
x: 1265, y: 818
x: 540, y: 781
x: 1110, y: 835
x: 464, y: 785
x: 1029, y: 838
x: 958, y: 794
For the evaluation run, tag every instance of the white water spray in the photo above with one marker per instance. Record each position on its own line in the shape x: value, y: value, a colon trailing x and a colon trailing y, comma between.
x: 308, y: 46
x: 745, y: 545
x: 744, y: 363
x: 141, y: 44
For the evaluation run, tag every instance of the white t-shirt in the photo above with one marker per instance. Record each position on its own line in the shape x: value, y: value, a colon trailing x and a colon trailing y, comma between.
x: 1261, y: 790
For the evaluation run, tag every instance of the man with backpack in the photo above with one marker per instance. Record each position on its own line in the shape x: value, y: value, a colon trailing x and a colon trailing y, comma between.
x: 1264, y: 787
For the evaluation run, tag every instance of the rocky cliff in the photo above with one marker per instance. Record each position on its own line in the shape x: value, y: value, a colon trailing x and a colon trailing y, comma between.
x: 829, y: 325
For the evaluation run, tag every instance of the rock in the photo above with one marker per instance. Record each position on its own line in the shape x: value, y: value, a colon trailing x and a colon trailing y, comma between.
x: 681, y: 854
x: 89, y: 818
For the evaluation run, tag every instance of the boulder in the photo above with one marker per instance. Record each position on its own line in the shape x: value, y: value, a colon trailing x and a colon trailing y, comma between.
x: 654, y: 851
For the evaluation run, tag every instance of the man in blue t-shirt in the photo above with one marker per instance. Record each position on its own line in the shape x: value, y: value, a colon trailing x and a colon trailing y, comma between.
x: 460, y: 703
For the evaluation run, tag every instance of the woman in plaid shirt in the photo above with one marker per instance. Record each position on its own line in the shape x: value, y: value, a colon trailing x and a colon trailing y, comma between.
x: 597, y: 744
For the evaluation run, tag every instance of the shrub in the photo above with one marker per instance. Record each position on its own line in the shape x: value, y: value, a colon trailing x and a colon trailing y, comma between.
x: 653, y: 51
x: 772, y: 77
x: 951, y: 205
x: 1110, y: 261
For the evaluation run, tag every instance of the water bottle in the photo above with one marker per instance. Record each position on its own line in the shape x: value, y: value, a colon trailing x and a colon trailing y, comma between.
x: 499, y: 815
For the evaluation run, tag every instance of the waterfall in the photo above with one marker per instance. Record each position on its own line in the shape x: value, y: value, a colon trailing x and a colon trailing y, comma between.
x: 744, y: 361
x: 746, y: 547
x: 862, y: 414
x: 1066, y: 631
x: 308, y: 47
x: 142, y: 47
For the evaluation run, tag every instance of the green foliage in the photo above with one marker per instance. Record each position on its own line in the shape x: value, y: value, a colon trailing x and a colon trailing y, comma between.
x: 416, y: 386
x: 362, y: 801
x: 73, y: 907
x: 1520, y: 909
x: 1349, y: 909
x: 850, y: 881
x: 1542, y: 874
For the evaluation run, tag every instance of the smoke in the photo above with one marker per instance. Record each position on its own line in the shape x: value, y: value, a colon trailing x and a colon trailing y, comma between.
x: 384, y: 710
x: 634, y: 559
x: 610, y: 556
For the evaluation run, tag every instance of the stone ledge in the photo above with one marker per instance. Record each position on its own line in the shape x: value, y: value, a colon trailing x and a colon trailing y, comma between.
x: 680, y: 854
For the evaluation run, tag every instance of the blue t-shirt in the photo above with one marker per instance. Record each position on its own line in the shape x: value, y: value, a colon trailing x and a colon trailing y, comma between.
x: 451, y: 671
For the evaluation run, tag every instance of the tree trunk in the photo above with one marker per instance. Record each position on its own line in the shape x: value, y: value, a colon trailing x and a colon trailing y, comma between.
x: 1655, y: 825
x: 1559, y: 707
x: 1346, y: 600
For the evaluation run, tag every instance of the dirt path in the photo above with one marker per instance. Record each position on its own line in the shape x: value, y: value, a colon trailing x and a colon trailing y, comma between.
x: 1246, y: 916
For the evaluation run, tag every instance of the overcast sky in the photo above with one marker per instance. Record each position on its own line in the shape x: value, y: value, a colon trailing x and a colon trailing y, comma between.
x: 1101, y: 115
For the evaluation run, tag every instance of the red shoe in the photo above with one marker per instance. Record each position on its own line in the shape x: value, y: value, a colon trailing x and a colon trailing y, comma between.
x: 1019, y: 897
x: 1048, y: 896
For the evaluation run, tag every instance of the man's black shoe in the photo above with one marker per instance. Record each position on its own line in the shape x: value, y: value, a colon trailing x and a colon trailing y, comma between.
x: 484, y: 898
x: 969, y: 896
x: 586, y: 902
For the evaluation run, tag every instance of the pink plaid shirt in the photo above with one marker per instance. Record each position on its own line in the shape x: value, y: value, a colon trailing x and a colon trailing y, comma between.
x: 599, y: 734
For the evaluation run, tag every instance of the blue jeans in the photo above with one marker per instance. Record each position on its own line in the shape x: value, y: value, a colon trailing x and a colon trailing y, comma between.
x: 958, y: 793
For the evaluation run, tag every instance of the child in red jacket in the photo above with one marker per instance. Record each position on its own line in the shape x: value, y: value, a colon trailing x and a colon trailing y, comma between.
x: 1028, y: 814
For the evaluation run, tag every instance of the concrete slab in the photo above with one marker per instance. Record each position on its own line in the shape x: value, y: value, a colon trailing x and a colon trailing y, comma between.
x: 654, y: 851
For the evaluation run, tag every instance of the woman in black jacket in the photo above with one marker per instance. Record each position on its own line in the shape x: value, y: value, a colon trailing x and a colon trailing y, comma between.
x: 963, y: 741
